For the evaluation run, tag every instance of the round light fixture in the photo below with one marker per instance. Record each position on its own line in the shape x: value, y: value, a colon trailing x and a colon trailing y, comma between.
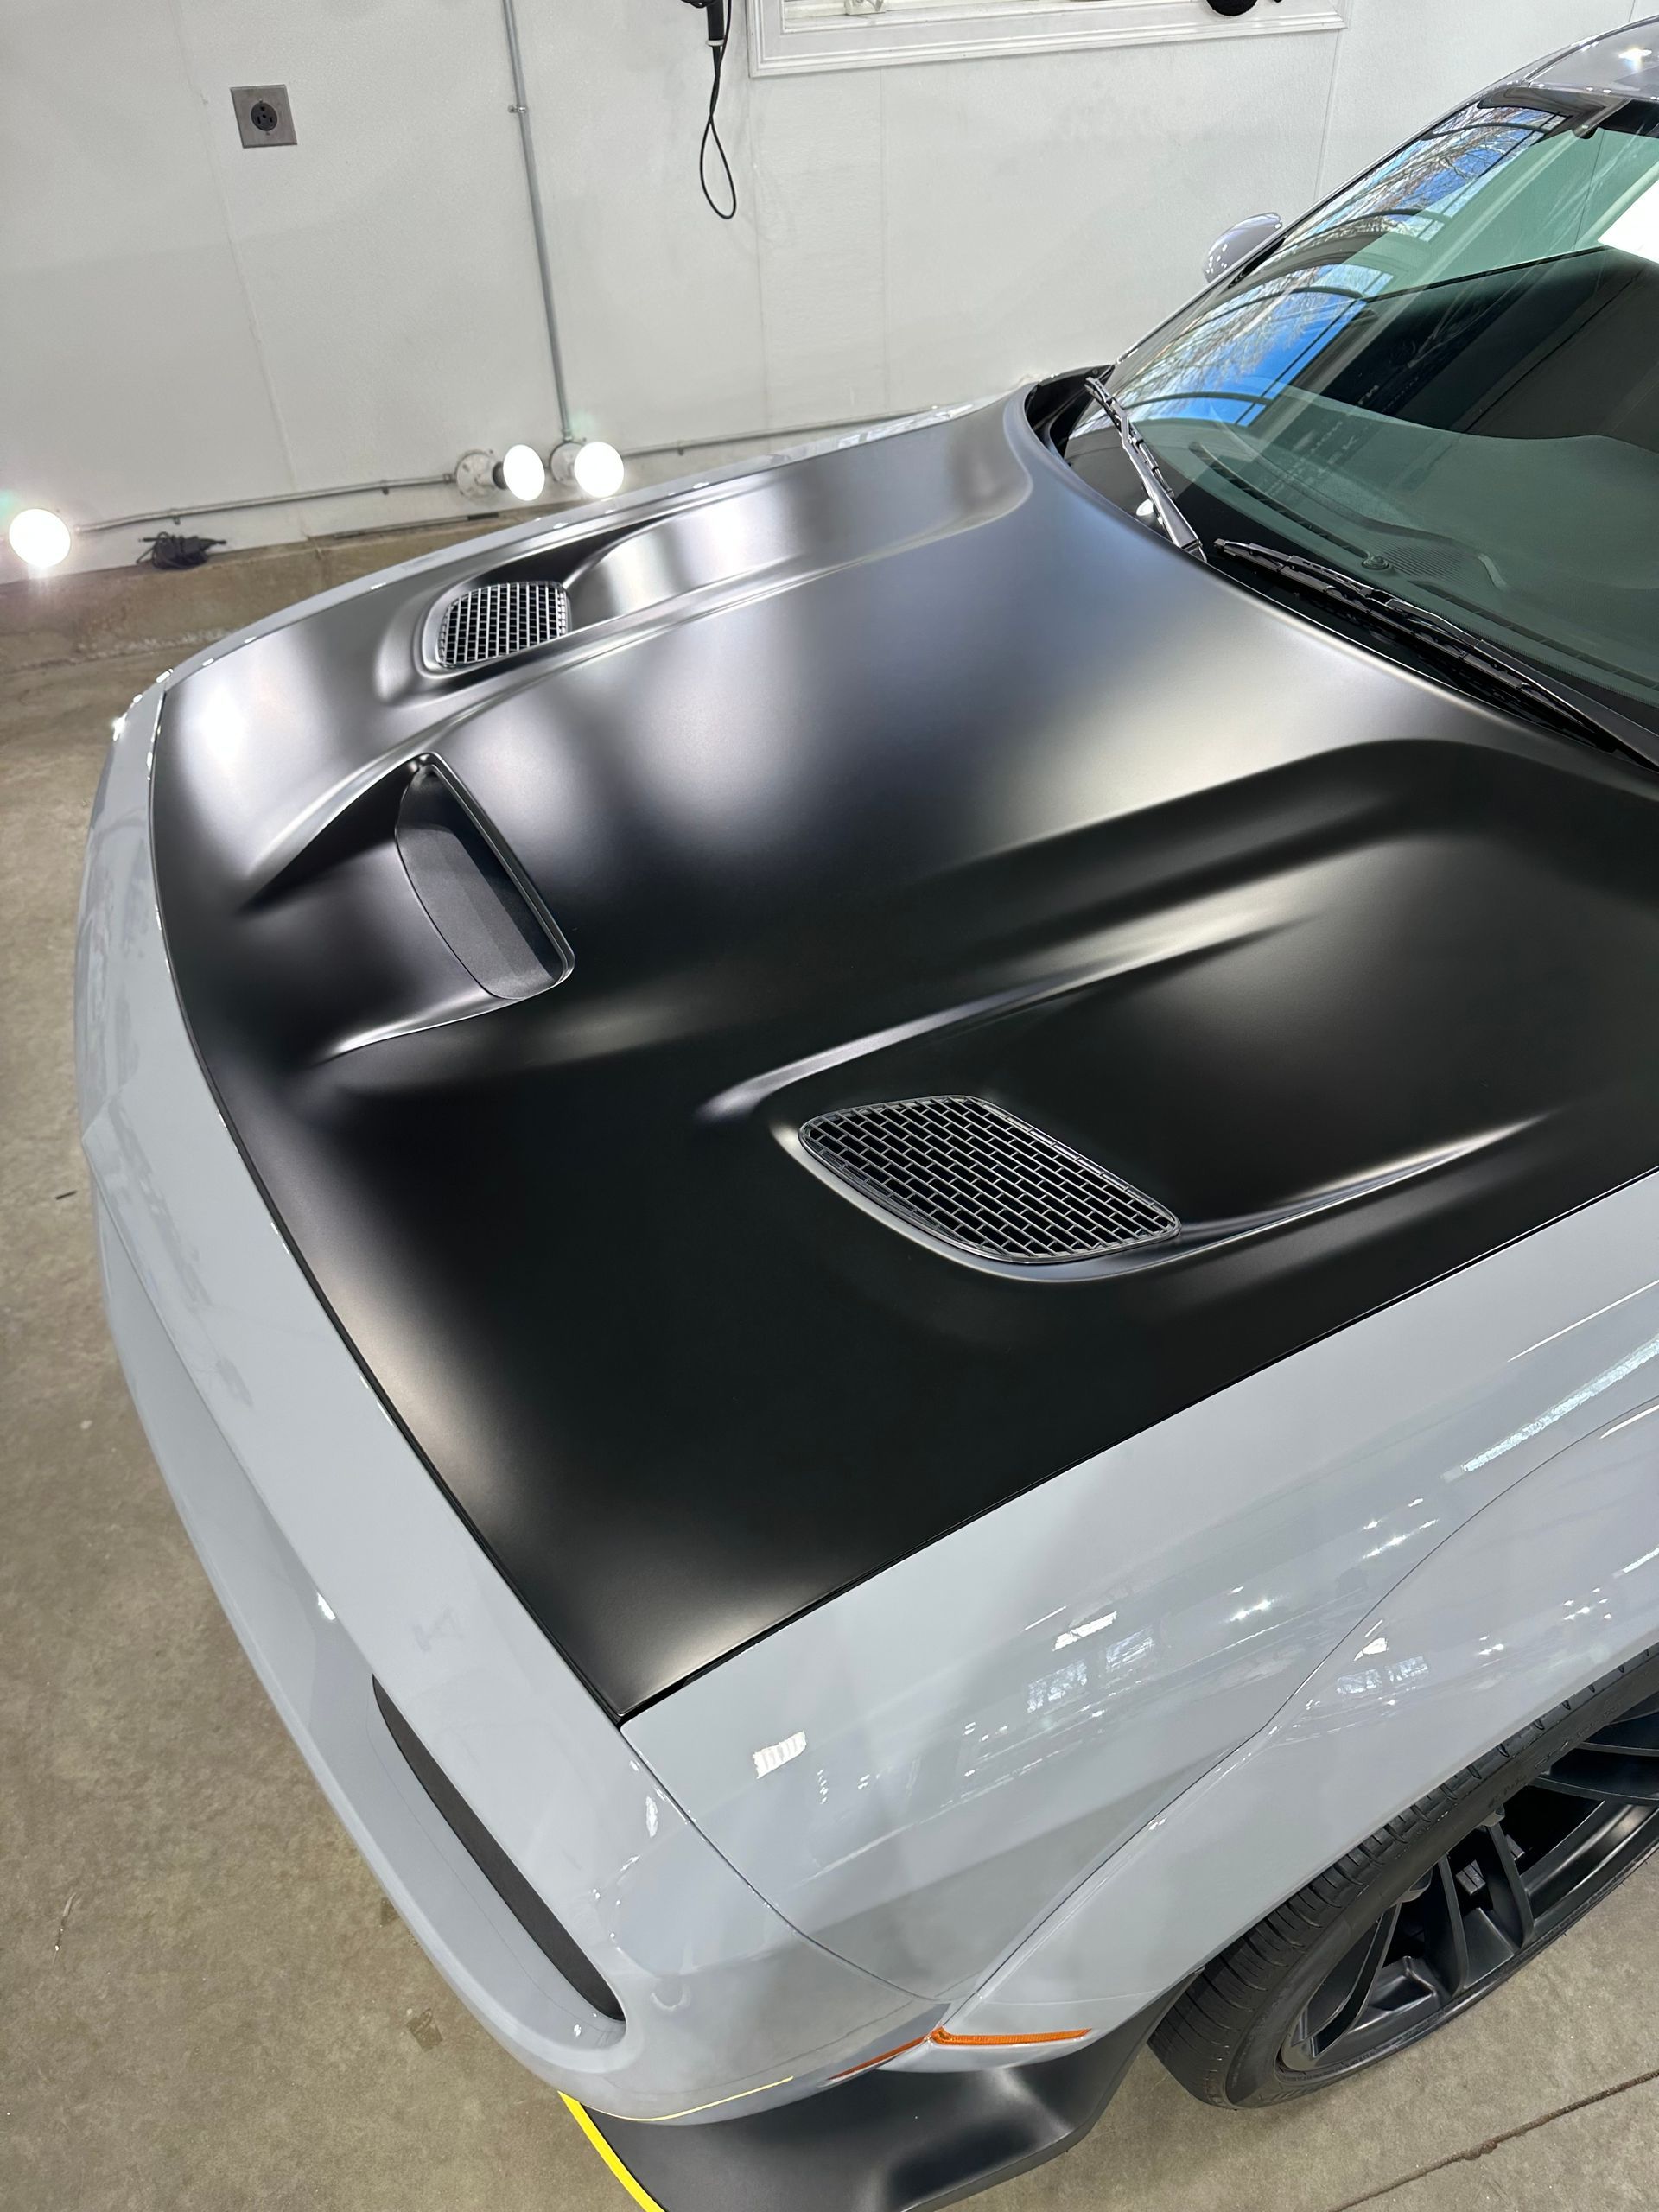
x: 591, y: 464
x: 520, y: 471
x: 39, y: 538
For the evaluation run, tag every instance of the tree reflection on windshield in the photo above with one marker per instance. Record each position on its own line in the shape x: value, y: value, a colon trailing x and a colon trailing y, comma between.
x: 1450, y: 373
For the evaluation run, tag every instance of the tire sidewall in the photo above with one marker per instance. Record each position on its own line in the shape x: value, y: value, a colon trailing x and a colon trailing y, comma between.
x: 1255, y: 2076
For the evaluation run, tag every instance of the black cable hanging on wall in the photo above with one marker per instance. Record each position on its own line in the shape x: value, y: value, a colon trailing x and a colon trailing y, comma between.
x: 720, y: 26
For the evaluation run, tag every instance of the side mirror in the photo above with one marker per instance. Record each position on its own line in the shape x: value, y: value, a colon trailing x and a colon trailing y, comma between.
x: 1240, y: 243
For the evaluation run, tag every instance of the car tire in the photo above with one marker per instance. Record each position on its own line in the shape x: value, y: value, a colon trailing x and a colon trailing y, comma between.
x: 1433, y: 1912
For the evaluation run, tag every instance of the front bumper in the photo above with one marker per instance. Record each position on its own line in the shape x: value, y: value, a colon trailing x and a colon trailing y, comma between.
x: 340, y: 1562
x: 887, y: 2142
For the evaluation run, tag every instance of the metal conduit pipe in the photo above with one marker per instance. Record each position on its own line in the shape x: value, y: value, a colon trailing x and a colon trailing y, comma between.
x: 544, y: 262
x: 783, y: 436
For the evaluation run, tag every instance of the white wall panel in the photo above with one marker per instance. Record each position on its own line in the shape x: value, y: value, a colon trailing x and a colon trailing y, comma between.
x: 130, y: 374
x: 1043, y: 211
x: 185, y: 321
x: 659, y: 304
x: 1405, y: 62
x: 819, y: 167
x: 388, y: 256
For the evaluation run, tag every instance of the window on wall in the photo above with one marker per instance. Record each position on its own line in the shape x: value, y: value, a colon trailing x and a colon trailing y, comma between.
x: 785, y: 34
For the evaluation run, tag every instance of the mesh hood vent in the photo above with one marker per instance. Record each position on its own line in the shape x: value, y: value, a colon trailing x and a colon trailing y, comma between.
x: 982, y: 1180
x: 492, y: 620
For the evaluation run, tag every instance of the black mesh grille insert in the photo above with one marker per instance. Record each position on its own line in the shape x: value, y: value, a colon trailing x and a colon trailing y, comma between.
x: 492, y: 620
x: 985, y: 1181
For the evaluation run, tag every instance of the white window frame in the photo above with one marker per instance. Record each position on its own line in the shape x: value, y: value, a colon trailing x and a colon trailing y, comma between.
x: 858, y: 35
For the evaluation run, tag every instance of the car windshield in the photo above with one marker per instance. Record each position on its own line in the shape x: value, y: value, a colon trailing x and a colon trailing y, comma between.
x: 1446, y: 382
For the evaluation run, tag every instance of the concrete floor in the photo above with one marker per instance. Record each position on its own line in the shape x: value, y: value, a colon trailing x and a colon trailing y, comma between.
x: 205, y: 2002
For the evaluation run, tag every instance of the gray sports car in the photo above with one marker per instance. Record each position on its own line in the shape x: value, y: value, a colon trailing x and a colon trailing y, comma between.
x: 887, y: 1220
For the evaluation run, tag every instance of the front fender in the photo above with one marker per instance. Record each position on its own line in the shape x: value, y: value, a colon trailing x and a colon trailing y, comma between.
x: 920, y: 1773
x: 1552, y: 1585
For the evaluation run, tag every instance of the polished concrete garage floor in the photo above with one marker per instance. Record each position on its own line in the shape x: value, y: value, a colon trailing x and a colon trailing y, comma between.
x: 205, y: 2002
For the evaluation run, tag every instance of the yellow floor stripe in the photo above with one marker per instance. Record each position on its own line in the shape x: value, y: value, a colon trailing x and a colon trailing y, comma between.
x: 584, y: 2121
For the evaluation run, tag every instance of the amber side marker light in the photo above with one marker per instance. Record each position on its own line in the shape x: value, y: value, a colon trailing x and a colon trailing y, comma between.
x: 984, y: 2042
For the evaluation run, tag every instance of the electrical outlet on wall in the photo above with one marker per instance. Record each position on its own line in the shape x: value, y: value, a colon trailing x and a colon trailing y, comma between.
x: 263, y: 115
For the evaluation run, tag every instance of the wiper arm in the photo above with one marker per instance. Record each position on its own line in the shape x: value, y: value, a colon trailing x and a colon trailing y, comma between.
x: 1437, y: 639
x: 1179, y: 533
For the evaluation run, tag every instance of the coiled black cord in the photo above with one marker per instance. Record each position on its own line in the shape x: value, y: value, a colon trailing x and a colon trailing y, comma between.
x: 720, y: 30
x: 168, y: 550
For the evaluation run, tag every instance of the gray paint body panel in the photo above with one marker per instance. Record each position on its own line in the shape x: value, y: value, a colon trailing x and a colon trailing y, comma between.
x: 1093, y: 1620
x: 989, y: 1719
x: 299, y: 1492
x: 1336, y: 1582
x: 1553, y: 1585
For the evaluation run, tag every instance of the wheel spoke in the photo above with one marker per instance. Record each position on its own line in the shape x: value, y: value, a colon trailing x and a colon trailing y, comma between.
x: 1590, y: 1771
x: 1446, y: 1948
x: 1360, y: 1970
x: 1582, y: 1837
x: 1505, y: 1888
x: 1510, y: 1901
x: 1638, y: 1734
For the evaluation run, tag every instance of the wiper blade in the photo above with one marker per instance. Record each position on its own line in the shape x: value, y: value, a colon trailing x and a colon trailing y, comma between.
x: 1445, y: 643
x: 1179, y: 533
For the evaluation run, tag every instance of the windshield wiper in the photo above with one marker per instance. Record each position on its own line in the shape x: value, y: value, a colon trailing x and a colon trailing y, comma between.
x: 1179, y: 533
x: 1447, y: 644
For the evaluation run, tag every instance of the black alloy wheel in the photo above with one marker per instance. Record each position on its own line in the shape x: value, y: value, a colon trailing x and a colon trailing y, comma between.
x: 1490, y: 1902
x: 1433, y: 1912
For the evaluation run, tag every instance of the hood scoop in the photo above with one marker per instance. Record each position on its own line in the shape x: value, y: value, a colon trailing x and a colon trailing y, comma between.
x: 475, y: 897
x: 490, y: 622
x: 986, y: 1186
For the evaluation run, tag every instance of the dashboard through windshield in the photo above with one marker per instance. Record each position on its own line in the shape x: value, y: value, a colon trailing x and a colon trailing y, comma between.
x: 1446, y: 382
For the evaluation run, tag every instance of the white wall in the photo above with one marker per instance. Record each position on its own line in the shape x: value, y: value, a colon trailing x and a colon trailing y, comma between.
x: 182, y: 321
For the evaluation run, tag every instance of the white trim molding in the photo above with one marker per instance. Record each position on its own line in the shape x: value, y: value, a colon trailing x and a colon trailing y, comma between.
x: 786, y: 35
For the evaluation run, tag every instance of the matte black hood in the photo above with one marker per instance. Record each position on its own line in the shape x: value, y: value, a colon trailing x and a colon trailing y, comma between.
x: 910, y: 767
